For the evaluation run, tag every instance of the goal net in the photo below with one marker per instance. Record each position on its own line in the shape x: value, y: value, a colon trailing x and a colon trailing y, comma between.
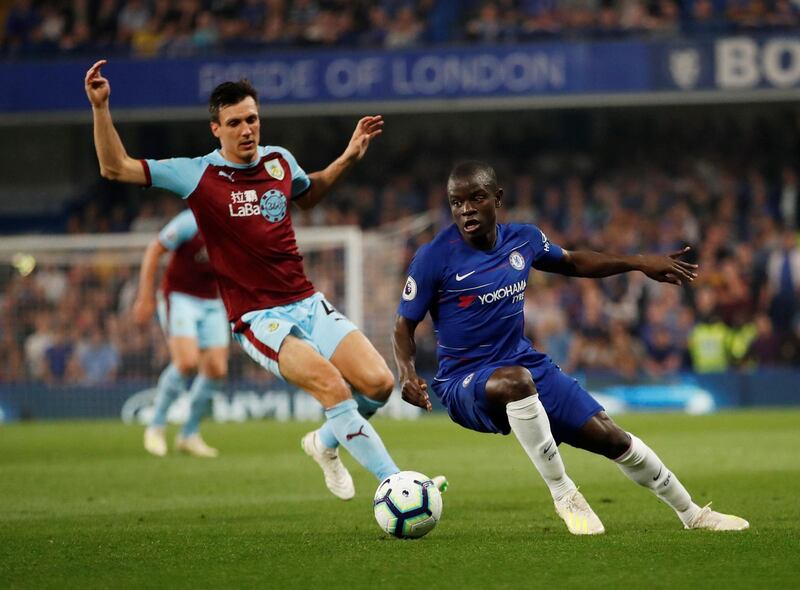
x: 70, y: 346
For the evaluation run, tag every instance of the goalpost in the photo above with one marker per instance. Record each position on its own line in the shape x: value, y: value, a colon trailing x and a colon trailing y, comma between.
x: 25, y: 253
x: 78, y: 290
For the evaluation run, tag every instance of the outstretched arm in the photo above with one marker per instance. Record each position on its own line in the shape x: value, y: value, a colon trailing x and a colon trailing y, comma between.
x: 585, y: 263
x: 414, y: 387
x: 115, y: 164
x: 324, y: 180
x: 145, y: 304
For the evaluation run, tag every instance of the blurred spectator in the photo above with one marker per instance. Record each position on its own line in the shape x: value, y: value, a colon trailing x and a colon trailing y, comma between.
x: 709, y: 337
x: 97, y: 359
x: 37, y: 344
x: 764, y: 350
x: 789, y: 199
x: 783, y: 280
x: 58, y: 367
x: 404, y: 29
x: 663, y: 356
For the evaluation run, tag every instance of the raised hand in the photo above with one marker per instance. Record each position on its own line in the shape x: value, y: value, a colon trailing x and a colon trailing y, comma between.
x: 366, y: 129
x: 669, y: 269
x: 415, y: 392
x: 97, y: 88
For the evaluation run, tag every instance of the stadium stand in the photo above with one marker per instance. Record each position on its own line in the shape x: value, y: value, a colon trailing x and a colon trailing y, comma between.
x: 163, y: 28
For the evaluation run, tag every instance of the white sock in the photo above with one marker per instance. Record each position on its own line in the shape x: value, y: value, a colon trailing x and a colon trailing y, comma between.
x: 644, y: 467
x: 529, y: 423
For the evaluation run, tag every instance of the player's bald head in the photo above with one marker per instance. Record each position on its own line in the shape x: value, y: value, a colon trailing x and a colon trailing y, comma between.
x: 473, y: 172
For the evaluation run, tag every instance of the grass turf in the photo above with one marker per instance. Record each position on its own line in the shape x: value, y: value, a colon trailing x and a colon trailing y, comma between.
x: 82, y: 505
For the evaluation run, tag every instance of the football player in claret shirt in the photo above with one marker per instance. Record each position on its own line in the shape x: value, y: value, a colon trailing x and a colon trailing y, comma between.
x: 240, y: 195
x: 471, y: 279
x: 194, y: 321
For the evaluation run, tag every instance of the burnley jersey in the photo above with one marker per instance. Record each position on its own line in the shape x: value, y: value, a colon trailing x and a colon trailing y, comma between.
x: 189, y: 270
x: 475, y: 297
x: 243, y: 213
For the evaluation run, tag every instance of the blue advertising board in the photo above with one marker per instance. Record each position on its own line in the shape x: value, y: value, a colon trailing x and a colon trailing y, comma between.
x: 534, y: 71
x: 133, y: 402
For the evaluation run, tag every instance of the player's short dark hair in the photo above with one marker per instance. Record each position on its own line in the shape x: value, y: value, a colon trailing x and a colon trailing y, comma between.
x: 474, y: 169
x: 227, y: 94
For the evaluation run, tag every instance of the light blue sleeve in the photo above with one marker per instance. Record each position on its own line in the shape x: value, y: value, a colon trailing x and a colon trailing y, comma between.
x: 300, y: 180
x: 182, y: 228
x: 178, y: 175
x: 544, y: 250
x: 421, y: 285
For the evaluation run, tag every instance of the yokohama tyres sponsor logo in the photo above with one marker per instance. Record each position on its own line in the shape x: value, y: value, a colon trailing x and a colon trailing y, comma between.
x: 515, y: 289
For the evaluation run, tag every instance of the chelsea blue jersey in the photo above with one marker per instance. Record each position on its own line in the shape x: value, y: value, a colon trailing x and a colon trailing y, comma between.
x: 476, y: 297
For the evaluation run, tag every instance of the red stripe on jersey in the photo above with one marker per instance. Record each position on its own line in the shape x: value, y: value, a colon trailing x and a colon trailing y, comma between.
x: 260, y: 346
x: 148, y: 179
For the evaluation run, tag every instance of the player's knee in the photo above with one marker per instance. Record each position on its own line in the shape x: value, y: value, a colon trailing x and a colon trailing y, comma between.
x: 378, y: 385
x: 217, y: 369
x: 612, y: 440
x: 186, y: 365
x: 330, y: 389
x: 510, y: 384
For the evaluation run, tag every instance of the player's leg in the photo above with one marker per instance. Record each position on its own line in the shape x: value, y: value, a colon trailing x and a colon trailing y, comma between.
x: 366, y: 371
x: 177, y: 322
x: 266, y: 338
x: 304, y: 367
x: 213, y: 335
x: 513, y: 388
x: 213, y: 368
x: 601, y: 435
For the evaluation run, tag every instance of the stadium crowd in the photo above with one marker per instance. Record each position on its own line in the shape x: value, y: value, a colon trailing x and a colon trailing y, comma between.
x: 737, y: 206
x: 180, y: 28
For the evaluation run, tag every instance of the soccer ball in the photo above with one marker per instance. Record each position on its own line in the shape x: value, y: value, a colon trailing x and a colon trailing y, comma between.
x: 407, y: 505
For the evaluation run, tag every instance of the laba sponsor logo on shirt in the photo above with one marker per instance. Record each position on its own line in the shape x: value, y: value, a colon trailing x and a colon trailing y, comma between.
x: 244, y: 204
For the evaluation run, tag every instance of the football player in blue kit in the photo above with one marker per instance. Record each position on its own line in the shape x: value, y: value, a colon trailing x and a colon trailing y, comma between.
x: 471, y: 279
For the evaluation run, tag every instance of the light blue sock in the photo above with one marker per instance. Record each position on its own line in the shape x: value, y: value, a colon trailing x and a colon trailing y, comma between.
x: 366, y: 407
x: 360, y: 439
x: 203, y: 389
x: 170, y: 385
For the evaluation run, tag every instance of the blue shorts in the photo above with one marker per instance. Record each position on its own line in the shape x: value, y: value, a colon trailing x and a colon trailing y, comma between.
x: 313, y: 320
x: 568, y: 405
x: 205, y: 320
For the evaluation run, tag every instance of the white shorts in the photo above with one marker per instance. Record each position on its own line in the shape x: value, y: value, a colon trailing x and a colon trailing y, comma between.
x: 205, y: 320
x: 313, y: 319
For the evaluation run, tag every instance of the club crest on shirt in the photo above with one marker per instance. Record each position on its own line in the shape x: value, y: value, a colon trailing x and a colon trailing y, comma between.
x: 273, y: 205
x: 517, y: 260
x: 274, y: 168
x: 410, y: 290
x: 272, y: 326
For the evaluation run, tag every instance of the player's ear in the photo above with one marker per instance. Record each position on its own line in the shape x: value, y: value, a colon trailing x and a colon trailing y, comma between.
x: 498, y: 198
x: 215, y: 128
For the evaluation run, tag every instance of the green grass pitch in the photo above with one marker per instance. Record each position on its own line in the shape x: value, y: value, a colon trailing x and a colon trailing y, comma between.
x: 83, y: 506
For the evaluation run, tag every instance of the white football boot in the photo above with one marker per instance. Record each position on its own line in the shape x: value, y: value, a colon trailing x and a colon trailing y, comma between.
x: 195, y: 446
x: 337, y: 478
x: 580, y: 518
x: 441, y: 483
x: 716, y: 521
x: 155, y: 441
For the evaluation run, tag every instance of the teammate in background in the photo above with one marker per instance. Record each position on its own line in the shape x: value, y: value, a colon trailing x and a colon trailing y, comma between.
x: 472, y: 279
x: 193, y: 319
x: 240, y: 195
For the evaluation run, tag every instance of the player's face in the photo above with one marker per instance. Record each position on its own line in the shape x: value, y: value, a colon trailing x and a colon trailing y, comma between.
x: 473, y: 205
x: 238, y: 131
